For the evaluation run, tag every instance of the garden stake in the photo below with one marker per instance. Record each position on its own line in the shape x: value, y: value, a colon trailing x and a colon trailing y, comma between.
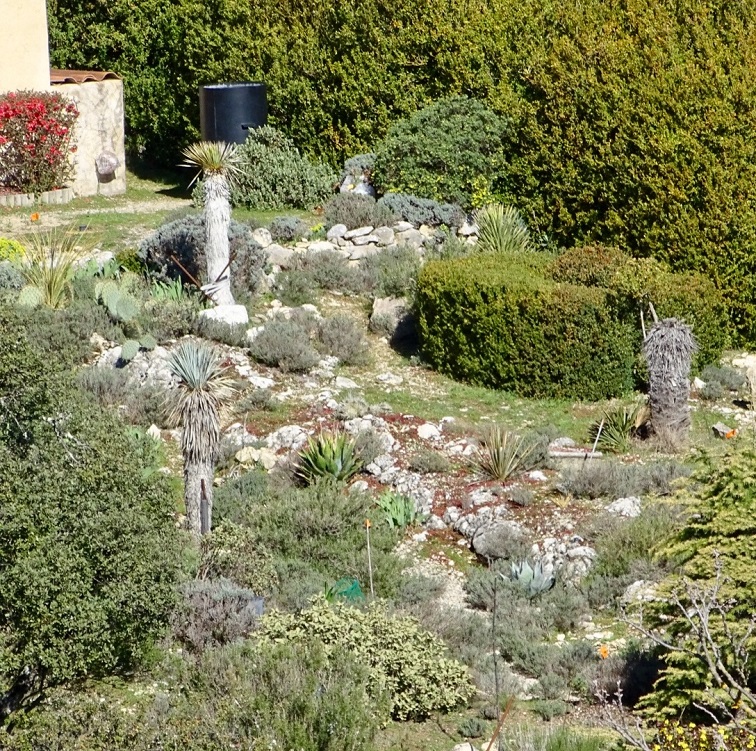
x: 195, y: 281
x: 507, y: 709
x: 595, y: 443
x: 370, y: 562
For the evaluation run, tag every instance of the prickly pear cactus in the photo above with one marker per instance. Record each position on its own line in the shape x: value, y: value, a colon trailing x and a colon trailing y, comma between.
x: 30, y: 297
x: 147, y: 341
x: 129, y: 350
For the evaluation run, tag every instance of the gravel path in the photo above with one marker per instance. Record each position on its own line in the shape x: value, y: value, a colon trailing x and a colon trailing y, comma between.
x: 18, y: 223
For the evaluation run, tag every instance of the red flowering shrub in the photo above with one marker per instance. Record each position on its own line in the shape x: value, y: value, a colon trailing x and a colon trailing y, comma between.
x: 35, y: 140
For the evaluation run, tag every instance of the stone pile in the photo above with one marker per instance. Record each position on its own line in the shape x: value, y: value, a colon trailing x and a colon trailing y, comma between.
x: 358, y: 244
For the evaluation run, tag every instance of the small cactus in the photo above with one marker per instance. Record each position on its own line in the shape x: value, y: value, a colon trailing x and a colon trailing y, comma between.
x: 121, y: 305
x: 129, y: 350
x: 147, y: 341
x: 532, y: 578
x: 30, y: 297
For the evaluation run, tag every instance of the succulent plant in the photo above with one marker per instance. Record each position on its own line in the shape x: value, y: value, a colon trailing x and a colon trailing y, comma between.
x: 532, y: 579
x: 129, y: 350
x: 30, y: 297
x: 121, y: 306
x: 147, y: 341
x: 328, y: 455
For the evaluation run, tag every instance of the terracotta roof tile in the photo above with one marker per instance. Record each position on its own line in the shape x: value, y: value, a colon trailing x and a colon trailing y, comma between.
x: 79, y: 76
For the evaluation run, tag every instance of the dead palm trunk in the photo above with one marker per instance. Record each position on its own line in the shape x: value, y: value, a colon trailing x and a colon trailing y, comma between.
x: 669, y: 349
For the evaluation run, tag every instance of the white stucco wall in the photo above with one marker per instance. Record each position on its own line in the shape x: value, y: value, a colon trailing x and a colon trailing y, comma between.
x: 99, y: 128
x: 25, y: 62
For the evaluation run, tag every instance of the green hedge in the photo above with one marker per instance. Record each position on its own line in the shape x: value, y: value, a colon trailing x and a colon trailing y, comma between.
x: 637, y: 282
x: 338, y: 74
x: 499, y: 322
x: 631, y: 124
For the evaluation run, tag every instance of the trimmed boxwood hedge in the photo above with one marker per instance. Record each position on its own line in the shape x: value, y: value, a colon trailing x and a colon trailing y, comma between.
x: 636, y: 282
x: 518, y: 322
x: 499, y: 322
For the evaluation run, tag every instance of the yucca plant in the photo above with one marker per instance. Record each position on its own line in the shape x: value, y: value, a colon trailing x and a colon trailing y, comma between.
x: 532, y: 579
x: 329, y: 454
x: 669, y: 349
x: 218, y: 164
x: 399, y: 510
x: 501, y: 229
x: 503, y: 453
x: 49, y: 266
x: 618, y: 426
x: 204, y: 385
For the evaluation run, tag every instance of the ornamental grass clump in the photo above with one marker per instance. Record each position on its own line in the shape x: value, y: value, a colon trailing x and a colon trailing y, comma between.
x: 49, y: 266
x: 503, y: 453
x: 502, y: 230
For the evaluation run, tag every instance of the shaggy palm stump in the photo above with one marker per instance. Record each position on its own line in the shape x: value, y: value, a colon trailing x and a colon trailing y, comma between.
x: 669, y: 349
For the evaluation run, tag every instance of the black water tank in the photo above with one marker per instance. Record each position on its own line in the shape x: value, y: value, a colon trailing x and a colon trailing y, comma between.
x: 228, y: 110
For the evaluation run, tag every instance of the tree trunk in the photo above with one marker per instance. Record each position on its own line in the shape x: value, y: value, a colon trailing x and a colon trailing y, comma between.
x: 217, y: 221
x: 669, y: 348
x: 198, y: 483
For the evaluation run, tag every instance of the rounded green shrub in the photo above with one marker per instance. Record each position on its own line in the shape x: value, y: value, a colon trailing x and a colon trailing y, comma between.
x: 11, y: 250
x: 274, y: 175
x: 451, y: 151
x: 499, y: 322
x: 639, y: 282
x: 88, y: 542
x: 407, y: 662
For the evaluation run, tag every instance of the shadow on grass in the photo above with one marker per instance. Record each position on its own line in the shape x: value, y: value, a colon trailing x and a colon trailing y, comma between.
x: 173, y: 181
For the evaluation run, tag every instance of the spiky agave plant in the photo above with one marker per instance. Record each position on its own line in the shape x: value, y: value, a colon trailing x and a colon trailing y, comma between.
x: 618, y: 426
x: 218, y: 164
x: 328, y: 455
x: 532, y: 579
x: 501, y: 229
x: 204, y: 385
x: 49, y: 266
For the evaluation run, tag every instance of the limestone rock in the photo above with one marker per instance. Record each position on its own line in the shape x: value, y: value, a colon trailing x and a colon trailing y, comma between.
x: 279, y: 256
x: 336, y: 232
x: 321, y: 246
x: 393, y: 317
x: 428, y: 432
x: 369, y: 239
x: 359, y: 232
x: 403, y: 226
x: 262, y: 237
x: 385, y: 235
x: 468, y: 230
x: 629, y: 507
x: 231, y: 315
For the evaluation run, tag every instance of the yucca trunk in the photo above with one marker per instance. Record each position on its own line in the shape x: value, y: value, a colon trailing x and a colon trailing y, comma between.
x: 217, y: 221
x: 669, y: 349
x: 199, y: 445
x: 198, y: 483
